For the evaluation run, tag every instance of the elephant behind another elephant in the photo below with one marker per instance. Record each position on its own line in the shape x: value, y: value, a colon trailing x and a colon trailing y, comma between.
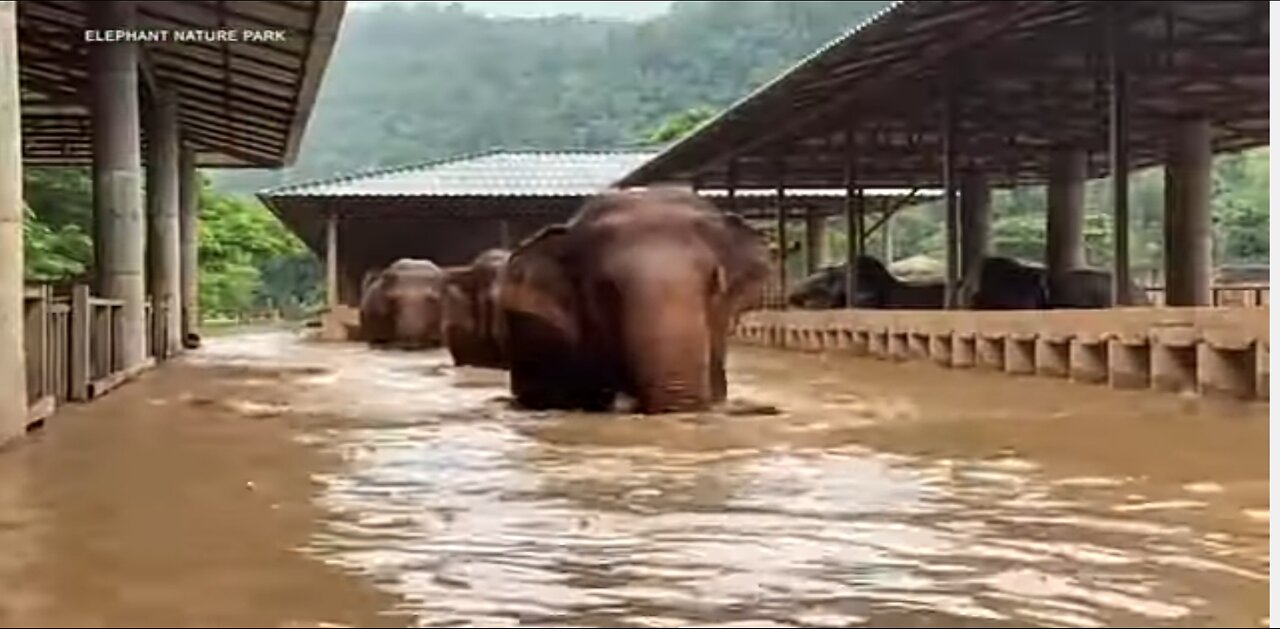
x: 473, y: 329
x: 877, y: 288
x: 636, y: 295
x: 400, y: 305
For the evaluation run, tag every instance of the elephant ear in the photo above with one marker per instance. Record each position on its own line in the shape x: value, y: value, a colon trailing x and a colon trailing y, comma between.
x: 744, y: 258
x: 374, y: 309
x: 457, y: 304
x: 536, y: 286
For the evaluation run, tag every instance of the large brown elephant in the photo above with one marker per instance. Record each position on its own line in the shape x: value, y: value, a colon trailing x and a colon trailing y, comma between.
x: 473, y: 331
x: 400, y: 305
x: 636, y: 294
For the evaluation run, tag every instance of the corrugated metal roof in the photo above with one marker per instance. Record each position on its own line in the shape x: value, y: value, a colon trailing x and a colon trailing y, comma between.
x: 498, y: 173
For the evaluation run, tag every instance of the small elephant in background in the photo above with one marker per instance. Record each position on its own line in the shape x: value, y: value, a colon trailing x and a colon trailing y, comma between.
x: 400, y: 306
x: 473, y: 329
x: 636, y: 294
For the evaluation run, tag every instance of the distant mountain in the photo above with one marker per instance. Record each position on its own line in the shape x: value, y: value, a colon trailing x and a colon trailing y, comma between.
x: 418, y: 81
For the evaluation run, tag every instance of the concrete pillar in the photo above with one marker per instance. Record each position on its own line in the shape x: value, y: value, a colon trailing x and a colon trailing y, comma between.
x: 117, y: 174
x: 162, y: 214
x: 1064, y: 228
x: 189, y: 239
x: 815, y: 232
x: 781, y: 200
x: 1118, y: 153
x: 13, y: 363
x: 331, y: 261
x: 853, y: 208
x: 1188, y: 230
x: 975, y: 230
x: 949, y: 185
x: 886, y: 240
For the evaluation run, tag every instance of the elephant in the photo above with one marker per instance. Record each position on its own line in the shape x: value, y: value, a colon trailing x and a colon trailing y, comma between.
x: 473, y: 331
x: 635, y: 295
x: 877, y: 288
x: 1007, y: 284
x: 400, y: 305
x: 1088, y: 288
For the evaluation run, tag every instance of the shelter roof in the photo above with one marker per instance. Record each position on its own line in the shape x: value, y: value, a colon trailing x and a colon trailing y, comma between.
x: 242, y: 102
x: 1021, y: 77
x: 496, y: 173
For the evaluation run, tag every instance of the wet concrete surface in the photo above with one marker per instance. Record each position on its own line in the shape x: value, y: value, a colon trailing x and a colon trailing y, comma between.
x: 269, y: 481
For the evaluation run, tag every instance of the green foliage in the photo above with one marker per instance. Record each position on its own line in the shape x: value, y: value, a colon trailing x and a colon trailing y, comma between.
x: 248, y: 259
x: 242, y: 245
x: 679, y: 125
x: 54, y: 253
x: 58, y: 217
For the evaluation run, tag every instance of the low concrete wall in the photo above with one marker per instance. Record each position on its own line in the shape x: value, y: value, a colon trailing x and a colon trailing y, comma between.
x: 341, y: 323
x: 1211, y: 351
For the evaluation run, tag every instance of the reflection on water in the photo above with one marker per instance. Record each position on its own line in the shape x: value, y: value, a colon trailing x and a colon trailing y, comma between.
x: 267, y: 481
x: 877, y: 496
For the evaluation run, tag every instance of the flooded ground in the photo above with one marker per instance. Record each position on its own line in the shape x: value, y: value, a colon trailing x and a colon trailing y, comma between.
x: 271, y: 481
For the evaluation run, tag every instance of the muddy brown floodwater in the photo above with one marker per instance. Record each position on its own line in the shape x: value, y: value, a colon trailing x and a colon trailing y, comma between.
x: 271, y: 481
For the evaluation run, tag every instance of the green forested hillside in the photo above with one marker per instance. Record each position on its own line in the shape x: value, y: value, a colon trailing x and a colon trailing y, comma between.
x: 423, y: 81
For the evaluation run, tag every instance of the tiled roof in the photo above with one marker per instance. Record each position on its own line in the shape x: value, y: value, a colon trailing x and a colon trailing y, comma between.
x: 496, y: 173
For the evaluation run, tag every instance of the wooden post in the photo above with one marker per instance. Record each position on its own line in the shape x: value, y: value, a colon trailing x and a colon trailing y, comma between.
x: 331, y: 260
x: 13, y: 373
x: 952, y: 209
x: 36, y: 333
x: 852, y: 219
x: 1119, y: 156
x: 79, y: 352
x: 117, y: 173
x: 165, y: 246
x: 189, y: 237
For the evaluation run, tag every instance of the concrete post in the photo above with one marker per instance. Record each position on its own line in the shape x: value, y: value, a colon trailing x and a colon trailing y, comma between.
x: 853, y: 208
x: 1188, y: 239
x: 189, y: 236
x: 1064, y: 228
x: 949, y: 156
x: 13, y: 362
x: 1118, y: 150
x: 886, y: 240
x: 162, y: 209
x: 781, y: 200
x: 117, y: 174
x: 331, y: 261
x: 975, y: 230
x: 815, y: 232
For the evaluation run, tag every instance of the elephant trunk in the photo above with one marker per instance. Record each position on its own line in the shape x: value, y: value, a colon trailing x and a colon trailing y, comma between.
x: 417, y: 325
x: 667, y: 347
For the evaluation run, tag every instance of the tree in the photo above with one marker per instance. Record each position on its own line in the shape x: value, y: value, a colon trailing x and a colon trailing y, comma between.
x: 679, y: 125
x: 248, y: 259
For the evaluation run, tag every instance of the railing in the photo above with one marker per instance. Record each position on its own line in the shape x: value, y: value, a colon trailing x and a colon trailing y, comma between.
x: 73, y: 346
x: 41, y: 396
x: 1225, y: 295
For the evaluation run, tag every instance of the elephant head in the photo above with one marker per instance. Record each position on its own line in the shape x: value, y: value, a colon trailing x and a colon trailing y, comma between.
x: 401, y: 305
x: 636, y: 294
x: 473, y: 331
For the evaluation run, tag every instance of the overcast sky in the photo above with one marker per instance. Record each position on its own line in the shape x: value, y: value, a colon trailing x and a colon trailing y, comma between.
x: 622, y: 10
